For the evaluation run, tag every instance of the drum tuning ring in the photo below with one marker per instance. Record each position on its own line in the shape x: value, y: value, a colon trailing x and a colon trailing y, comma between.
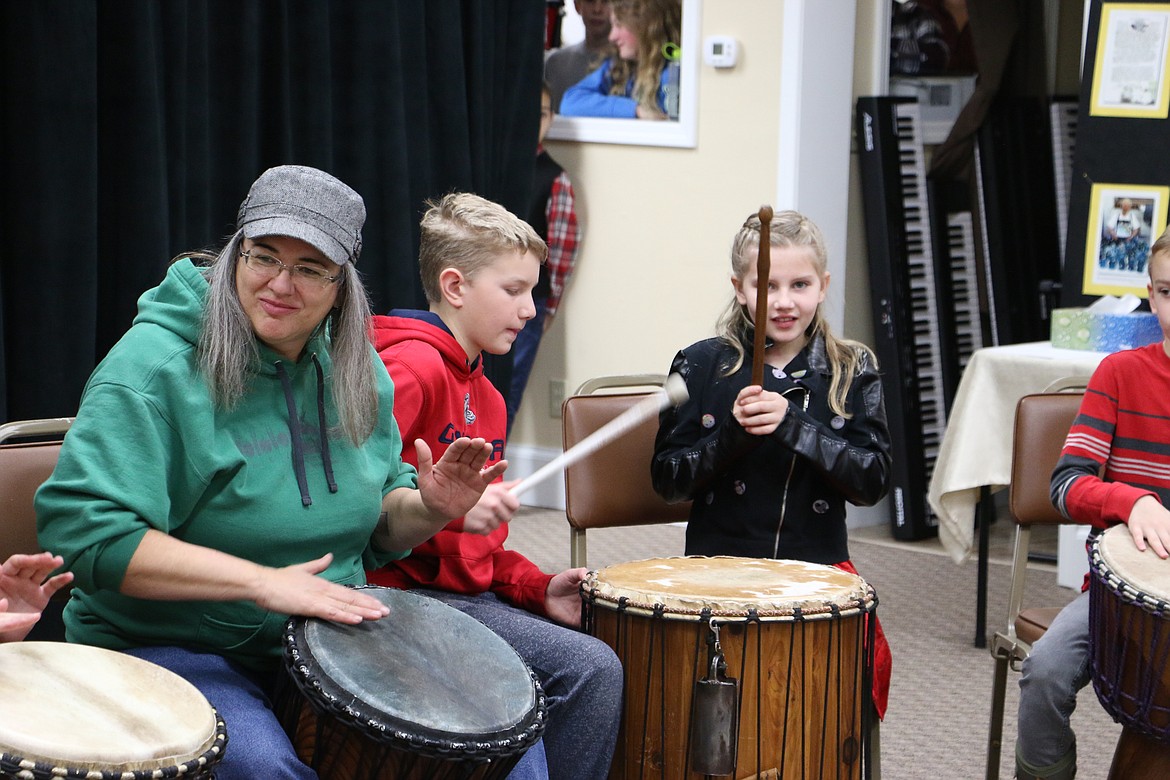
x: 715, y: 630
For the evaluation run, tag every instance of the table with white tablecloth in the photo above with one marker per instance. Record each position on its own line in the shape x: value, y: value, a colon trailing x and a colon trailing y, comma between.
x: 975, y: 456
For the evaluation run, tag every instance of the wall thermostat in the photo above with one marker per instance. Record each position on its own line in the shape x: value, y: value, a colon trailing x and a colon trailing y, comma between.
x: 720, y: 51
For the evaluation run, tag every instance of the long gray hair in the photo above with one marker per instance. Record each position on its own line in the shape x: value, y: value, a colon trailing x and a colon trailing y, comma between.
x: 229, y: 352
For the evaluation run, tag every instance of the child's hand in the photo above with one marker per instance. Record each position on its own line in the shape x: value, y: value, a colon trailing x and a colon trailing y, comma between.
x: 25, y: 590
x: 562, y: 599
x: 496, y: 507
x: 1149, y: 523
x: 759, y: 411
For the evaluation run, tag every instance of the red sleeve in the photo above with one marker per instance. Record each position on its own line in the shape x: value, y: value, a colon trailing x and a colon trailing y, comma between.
x: 1078, y: 490
x: 519, y: 581
x: 563, y: 239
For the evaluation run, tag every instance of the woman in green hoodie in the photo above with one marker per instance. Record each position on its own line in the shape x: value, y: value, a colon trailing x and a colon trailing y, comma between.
x: 235, y: 461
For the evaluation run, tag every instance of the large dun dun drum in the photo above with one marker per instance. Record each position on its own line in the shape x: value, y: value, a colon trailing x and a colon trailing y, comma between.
x: 1129, y: 643
x: 79, y: 711
x: 794, y: 636
x: 426, y: 692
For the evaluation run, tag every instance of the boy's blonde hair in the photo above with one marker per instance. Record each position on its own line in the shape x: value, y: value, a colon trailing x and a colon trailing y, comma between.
x: 466, y: 232
x: 1160, y: 247
x: 790, y: 229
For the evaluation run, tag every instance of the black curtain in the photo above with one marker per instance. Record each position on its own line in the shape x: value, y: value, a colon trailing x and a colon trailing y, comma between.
x: 131, y: 130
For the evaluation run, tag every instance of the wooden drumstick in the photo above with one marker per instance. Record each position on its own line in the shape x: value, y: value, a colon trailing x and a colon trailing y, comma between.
x: 674, y: 392
x: 763, y: 272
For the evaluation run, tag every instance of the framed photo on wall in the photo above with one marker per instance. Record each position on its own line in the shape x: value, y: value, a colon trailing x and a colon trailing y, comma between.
x: 1124, y: 219
x: 679, y: 132
x: 1132, y: 76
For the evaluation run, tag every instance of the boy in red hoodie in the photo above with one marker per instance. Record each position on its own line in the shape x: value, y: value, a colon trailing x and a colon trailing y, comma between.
x: 478, y: 264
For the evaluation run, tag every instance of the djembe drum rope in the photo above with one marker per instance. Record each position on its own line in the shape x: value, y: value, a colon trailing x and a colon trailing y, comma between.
x: 815, y: 640
x: 1129, y: 649
x: 798, y: 650
x: 1140, y: 710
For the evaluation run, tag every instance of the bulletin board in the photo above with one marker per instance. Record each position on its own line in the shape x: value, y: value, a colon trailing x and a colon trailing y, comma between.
x: 1120, y: 191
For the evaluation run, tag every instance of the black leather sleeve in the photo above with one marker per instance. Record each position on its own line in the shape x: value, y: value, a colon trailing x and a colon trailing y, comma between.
x: 854, y: 459
x: 687, y: 456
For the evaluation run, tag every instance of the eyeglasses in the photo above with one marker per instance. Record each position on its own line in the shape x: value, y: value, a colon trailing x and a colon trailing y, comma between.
x: 268, y: 267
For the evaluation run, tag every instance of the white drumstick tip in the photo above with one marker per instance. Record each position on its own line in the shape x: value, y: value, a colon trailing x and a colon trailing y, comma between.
x: 676, y: 390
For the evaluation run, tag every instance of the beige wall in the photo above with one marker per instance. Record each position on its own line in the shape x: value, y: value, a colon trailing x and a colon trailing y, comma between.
x: 652, y: 274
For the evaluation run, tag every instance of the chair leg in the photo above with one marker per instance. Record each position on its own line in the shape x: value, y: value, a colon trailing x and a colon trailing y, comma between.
x: 995, y: 730
x: 875, y: 748
x: 577, y: 551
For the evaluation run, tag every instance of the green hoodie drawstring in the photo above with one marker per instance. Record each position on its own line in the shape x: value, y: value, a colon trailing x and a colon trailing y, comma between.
x: 294, y: 429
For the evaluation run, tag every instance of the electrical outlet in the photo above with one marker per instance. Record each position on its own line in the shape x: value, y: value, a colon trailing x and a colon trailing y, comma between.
x: 556, y: 396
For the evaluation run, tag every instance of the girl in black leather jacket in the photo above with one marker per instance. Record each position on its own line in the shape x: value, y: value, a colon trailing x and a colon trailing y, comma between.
x: 769, y: 469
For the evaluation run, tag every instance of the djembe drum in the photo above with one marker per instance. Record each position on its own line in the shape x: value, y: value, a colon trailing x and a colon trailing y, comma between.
x: 1129, y: 644
x: 80, y: 711
x: 426, y: 692
x: 737, y: 666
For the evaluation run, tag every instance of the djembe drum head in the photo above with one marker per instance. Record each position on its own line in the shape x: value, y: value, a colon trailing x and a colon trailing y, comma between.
x: 85, y: 709
x: 726, y: 585
x: 426, y: 689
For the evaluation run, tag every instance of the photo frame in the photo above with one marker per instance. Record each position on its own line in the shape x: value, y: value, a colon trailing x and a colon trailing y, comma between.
x: 680, y: 133
x: 1124, y: 220
x: 1132, y: 74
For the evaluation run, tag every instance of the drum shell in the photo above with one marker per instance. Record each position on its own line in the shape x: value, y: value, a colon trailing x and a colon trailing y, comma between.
x: 801, y: 685
x: 339, y: 750
x: 1129, y: 644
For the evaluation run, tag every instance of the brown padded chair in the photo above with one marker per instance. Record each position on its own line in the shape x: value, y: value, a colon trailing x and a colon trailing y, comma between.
x: 28, y: 455
x: 23, y: 467
x: 1042, y: 423
x: 611, y: 487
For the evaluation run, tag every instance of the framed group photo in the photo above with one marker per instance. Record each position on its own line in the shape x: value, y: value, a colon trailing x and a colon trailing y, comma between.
x: 1124, y: 219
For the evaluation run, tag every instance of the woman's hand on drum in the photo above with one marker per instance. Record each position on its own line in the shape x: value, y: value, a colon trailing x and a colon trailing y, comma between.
x: 297, y: 590
x: 454, y: 485
x: 759, y: 411
x: 1149, y: 524
x: 496, y: 507
x: 25, y: 589
x: 562, y: 598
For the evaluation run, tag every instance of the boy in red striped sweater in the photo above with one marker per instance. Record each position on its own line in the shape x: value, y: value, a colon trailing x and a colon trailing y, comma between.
x: 1115, y: 468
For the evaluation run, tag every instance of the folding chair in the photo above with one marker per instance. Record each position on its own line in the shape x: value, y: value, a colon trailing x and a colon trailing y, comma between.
x: 1042, y: 423
x: 24, y: 465
x: 611, y: 487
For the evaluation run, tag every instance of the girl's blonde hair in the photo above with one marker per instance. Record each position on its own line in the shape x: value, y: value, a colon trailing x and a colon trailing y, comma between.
x: 790, y: 229
x: 654, y: 23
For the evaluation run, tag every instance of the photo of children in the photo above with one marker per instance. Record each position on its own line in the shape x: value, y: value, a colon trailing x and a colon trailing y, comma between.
x: 1122, y: 219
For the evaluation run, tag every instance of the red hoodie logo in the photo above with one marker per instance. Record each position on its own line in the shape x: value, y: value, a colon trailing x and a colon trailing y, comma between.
x: 451, y: 433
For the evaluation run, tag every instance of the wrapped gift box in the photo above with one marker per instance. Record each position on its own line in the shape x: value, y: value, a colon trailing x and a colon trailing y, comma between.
x: 1102, y: 331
